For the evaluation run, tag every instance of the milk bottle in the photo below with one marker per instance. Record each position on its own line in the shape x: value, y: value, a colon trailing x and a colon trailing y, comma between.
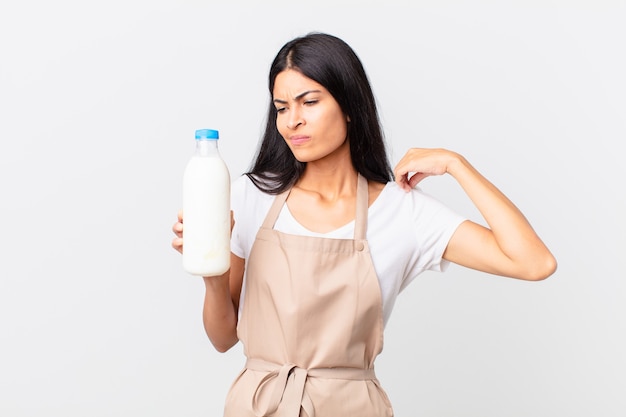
x: 206, y: 209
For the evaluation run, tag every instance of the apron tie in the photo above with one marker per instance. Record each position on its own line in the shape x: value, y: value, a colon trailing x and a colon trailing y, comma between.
x: 289, y: 381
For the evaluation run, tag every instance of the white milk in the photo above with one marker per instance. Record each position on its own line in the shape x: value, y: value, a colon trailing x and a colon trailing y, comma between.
x: 206, y: 210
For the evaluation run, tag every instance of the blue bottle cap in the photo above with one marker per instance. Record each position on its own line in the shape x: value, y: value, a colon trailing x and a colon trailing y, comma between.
x: 207, y: 134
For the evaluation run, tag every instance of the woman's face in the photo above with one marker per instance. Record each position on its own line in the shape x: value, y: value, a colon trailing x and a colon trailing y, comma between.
x: 308, y: 117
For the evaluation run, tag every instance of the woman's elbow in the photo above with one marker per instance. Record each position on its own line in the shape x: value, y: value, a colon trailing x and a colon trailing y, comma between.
x: 541, y: 269
x: 223, y: 346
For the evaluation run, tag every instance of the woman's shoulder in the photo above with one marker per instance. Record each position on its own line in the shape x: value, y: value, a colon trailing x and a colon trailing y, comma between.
x: 392, y: 192
x: 245, y: 194
x: 416, y: 202
x: 411, y: 215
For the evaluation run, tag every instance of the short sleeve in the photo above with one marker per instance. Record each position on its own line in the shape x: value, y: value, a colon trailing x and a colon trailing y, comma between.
x: 237, y: 202
x: 434, y: 224
x: 249, y: 206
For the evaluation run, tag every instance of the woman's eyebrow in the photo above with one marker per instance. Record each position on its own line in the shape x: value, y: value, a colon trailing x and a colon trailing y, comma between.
x: 298, y: 97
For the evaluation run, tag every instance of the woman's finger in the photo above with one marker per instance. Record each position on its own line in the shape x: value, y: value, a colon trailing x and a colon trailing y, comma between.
x: 177, y: 244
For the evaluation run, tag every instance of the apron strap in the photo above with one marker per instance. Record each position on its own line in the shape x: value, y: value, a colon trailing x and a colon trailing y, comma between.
x: 289, y: 385
x: 272, y: 214
x: 362, y: 203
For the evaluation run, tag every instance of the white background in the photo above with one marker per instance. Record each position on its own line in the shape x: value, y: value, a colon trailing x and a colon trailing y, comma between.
x: 99, y: 102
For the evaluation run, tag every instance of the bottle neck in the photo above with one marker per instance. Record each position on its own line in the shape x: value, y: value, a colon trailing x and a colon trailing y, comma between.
x: 206, y: 147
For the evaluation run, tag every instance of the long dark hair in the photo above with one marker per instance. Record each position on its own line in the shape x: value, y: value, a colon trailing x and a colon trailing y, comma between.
x: 332, y: 63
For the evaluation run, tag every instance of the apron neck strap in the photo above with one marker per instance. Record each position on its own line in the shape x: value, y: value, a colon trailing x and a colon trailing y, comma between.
x: 272, y: 215
x: 362, y: 203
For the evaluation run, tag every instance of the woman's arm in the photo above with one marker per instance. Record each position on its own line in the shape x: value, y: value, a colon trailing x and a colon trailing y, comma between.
x: 509, y: 246
x: 221, y: 305
x: 221, y: 299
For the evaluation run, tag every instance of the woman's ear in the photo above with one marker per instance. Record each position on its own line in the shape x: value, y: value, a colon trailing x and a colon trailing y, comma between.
x: 348, y: 119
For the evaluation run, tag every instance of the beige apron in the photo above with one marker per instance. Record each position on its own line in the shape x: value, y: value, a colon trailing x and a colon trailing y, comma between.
x: 311, y: 325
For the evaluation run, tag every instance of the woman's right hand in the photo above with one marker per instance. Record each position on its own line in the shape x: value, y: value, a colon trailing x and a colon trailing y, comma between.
x: 177, y: 228
x: 221, y: 301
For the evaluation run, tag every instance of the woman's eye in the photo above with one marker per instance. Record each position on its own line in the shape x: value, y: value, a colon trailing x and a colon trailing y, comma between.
x: 280, y: 110
x: 310, y: 102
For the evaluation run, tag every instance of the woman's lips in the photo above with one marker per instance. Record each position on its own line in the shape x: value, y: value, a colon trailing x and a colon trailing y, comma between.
x: 299, y: 139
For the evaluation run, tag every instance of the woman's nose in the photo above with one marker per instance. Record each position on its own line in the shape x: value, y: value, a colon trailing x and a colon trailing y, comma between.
x: 295, y: 119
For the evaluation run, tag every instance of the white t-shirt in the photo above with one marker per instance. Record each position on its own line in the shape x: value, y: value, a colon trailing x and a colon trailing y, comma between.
x: 407, y: 232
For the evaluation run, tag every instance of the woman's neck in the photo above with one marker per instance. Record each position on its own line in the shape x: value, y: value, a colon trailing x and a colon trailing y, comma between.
x: 331, y: 177
x: 329, y: 184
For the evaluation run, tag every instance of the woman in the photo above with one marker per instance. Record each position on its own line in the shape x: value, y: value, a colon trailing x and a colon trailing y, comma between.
x: 326, y: 241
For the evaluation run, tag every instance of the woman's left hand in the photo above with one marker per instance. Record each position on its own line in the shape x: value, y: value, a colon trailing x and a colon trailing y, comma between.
x: 419, y: 163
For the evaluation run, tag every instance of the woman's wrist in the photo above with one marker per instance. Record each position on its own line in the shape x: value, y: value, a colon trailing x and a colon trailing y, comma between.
x: 218, y: 281
x: 456, y: 164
